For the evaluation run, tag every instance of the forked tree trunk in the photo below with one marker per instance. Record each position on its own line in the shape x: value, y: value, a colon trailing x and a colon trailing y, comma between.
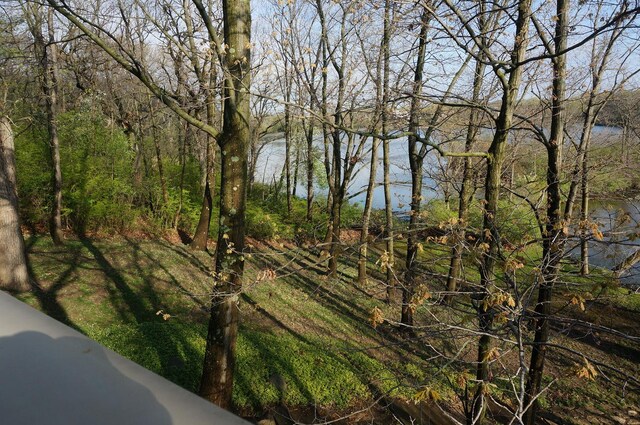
x: 220, y: 352
x: 201, y: 235
x: 13, y: 264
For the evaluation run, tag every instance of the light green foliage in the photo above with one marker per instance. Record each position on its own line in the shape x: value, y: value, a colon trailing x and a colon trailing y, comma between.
x: 175, y: 350
x: 262, y: 224
x: 33, y: 176
x: 100, y: 190
x: 96, y: 166
x: 171, y: 349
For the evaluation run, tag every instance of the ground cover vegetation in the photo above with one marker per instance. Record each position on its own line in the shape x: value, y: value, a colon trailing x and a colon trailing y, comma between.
x: 357, y: 211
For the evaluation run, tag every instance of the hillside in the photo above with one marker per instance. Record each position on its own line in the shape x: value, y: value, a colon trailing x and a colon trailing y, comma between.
x: 307, y: 347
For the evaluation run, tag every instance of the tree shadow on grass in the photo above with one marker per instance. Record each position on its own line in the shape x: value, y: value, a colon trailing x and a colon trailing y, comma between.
x: 47, y: 295
x: 137, y: 303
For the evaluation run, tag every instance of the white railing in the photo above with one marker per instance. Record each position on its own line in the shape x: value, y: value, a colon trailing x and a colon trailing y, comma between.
x: 51, y: 374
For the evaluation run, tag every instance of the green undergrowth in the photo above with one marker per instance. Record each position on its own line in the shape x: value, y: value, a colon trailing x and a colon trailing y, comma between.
x: 311, y: 375
x: 306, y: 339
x: 298, y: 329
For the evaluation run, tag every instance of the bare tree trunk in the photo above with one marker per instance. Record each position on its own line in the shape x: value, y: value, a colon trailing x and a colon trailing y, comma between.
x: 599, y: 63
x: 386, y: 155
x: 584, y: 214
x: 219, y: 362
x: 47, y: 53
x: 415, y: 164
x: 366, y: 214
x: 553, y: 240
x: 491, y: 235
x: 373, y: 165
x: 50, y: 69
x: 466, y: 189
x: 13, y: 263
x: 296, y: 170
x: 287, y: 141
x: 309, y: 135
x: 156, y: 145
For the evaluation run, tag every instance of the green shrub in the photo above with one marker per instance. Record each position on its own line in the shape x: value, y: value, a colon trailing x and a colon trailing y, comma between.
x: 33, y: 174
x: 96, y: 167
x: 264, y: 225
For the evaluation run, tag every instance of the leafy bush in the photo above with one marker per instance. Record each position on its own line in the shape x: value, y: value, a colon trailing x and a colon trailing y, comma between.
x: 264, y: 225
x: 96, y: 167
x: 33, y: 175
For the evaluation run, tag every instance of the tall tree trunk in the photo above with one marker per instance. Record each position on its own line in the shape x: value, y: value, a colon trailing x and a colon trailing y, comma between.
x: 415, y: 164
x: 202, y: 231
x: 584, y: 214
x: 553, y: 240
x: 156, y: 145
x: 490, y: 234
x: 50, y: 68
x: 373, y: 165
x: 296, y: 169
x: 386, y: 155
x: 287, y: 142
x: 309, y: 136
x: 47, y: 53
x: 336, y: 202
x: 466, y: 188
x: 366, y: 214
x: 183, y: 134
x: 220, y: 352
x: 13, y: 263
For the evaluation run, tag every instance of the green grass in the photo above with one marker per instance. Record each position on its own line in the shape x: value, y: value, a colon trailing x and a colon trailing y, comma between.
x: 300, y: 327
x: 111, y: 291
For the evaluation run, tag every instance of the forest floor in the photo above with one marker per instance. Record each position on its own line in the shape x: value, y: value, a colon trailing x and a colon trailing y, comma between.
x: 307, y: 346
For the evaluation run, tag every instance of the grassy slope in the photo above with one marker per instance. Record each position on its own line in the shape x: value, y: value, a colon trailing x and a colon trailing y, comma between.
x: 299, y: 327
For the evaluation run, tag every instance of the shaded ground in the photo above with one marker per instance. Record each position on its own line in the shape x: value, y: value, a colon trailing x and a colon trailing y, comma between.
x: 307, y: 340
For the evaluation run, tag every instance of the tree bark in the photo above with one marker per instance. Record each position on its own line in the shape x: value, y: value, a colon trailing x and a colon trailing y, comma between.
x: 201, y: 234
x: 13, y: 263
x: 366, y: 214
x: 415, y: 164
x: 553, y: 240
x: 287, y: 138
x: 219, y: 362
x: 310, y: 194
x: 386, y: 155
x: 584, y: 214
x: 50, y: 68
x: 466, y: 188
x: 490, y: 234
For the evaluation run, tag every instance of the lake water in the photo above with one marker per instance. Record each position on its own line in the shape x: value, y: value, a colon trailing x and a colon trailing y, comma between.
x: 272, y: 157
x: 607, y: 253
x: 620, y: 223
